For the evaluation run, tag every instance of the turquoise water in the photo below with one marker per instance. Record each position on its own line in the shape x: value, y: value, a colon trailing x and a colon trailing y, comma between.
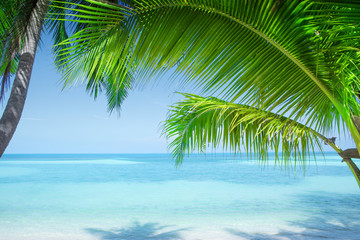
x: 137, y: 197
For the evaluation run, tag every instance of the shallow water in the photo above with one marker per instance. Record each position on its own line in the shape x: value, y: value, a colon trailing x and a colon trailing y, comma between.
x: 137, y: 197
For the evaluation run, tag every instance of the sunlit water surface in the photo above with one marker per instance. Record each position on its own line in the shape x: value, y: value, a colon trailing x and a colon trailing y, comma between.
x: 139, y: 197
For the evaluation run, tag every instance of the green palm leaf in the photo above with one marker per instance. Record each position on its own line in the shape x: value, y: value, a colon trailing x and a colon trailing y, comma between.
x: 84, y: 56
x: 58, y: 28
x: 198, y: 122
x: 240, y: 50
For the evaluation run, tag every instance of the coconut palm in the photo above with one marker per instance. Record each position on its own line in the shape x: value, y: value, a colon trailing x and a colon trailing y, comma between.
x: 21, y: 27
x: 21, y: 23
x: 293, y: 62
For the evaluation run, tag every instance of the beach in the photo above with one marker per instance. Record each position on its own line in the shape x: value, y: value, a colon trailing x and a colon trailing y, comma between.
x: 145, y: 196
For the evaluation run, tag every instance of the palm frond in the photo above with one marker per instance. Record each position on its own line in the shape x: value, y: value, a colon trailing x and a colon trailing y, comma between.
x: 92, y: 61
x: 199, y: 122
x: 116, y: 95
x: 253, y: 52
x: 57, y: 27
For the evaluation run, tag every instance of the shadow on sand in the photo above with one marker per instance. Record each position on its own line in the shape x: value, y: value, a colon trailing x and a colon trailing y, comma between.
x: 322, y: 230
x: 138, y: 231
x: 330, y: 217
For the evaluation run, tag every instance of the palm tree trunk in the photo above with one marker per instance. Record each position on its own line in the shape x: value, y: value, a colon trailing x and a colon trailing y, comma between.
x: 15, y: 104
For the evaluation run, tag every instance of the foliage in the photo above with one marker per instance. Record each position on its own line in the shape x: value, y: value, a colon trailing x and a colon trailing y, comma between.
x: 79, y: 57
x: 294, y: 58
x: 197, y: 121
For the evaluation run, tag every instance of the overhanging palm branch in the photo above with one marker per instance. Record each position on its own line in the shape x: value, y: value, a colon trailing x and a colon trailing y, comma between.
x: 58, y: 28
x: 240, y: 50
x: 197, y: 122
x: 92, y: 54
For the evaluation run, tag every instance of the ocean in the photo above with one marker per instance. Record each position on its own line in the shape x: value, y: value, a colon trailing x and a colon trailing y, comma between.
x: 145, y: 196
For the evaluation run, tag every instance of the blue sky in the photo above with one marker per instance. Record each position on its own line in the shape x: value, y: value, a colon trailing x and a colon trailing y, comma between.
x: 70, y: 121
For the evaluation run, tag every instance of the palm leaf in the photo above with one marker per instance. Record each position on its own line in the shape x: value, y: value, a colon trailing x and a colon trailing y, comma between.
x: 57, y: 28
x: 199, y: 122
x: 87, y: 58
x: 253, y: 52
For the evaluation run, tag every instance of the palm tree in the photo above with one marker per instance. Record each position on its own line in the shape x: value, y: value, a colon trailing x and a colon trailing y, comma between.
x: 21, y: 23
x: 20, y: 37
x: 293, y: 62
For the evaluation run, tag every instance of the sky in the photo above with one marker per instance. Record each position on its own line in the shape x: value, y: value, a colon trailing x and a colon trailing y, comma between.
x: 71, y: 121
